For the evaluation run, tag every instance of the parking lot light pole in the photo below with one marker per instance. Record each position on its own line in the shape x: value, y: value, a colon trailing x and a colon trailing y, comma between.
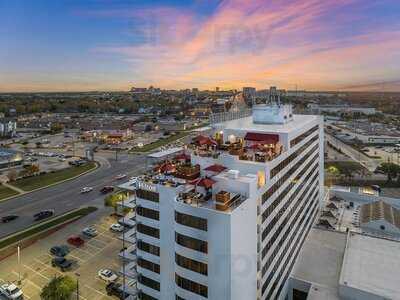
x: 77, y: 285
x: 19, y: 264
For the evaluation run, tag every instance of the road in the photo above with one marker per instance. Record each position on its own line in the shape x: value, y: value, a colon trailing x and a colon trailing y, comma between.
x: 369, y: 163
x: 66, y: 196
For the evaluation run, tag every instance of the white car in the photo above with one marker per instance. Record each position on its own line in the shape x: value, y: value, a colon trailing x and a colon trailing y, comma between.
x: 117, y: 227
x: 11, y: 291
x: 107, y: 275
x: 120, y: 176
x: 90, y: 231
x: 86, y: 189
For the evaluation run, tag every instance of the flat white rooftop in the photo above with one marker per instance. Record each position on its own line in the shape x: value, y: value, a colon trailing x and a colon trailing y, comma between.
x: 246, y: 124
x: 373, y: 265
x: 165, y: 153
x: 320, y: 260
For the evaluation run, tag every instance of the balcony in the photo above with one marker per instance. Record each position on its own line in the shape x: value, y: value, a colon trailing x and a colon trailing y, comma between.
x: 130, y: 270
x: 128, y: 220
x: 130, y: 236
x: 129, y: 253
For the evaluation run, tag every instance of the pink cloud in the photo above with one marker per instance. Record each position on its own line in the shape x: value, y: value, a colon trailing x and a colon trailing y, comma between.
x: 260, y: 43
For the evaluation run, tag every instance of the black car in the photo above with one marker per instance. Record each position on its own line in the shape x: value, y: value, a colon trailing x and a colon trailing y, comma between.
x: 9, y: 218
x: 115, y: 289
x: 62, y: 263
x: 59, y: 251
x: 43, y: 215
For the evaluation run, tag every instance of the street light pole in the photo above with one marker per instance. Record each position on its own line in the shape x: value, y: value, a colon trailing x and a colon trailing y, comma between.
x: 123, y: 252
x: 77, y: 285
x: 19, y: 264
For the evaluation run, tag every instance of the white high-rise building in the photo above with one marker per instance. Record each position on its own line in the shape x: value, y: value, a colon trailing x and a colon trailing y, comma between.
x: 227, y: 219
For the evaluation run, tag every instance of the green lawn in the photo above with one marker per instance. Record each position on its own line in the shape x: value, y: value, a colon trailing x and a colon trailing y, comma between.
x: 76, y: 214
x: 6, y: 192
x: 32, y: 183
x: 161, y: 142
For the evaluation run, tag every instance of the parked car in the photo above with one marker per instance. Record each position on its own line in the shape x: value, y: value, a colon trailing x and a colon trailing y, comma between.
x: 120, y: 176
x: 43, y: 215
x: 115, y: 289
x: 59, y: 251
x: 107, y: 275
x: 90, y: 231
x: 11, y: 291
x: 86, y: 189
x: 9, y: 218
x: 107, y: 189
x: 117, y: 227
x: 62, y: 263
x: 76, y: 241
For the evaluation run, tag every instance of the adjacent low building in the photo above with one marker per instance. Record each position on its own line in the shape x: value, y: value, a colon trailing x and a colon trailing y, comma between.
x: 347, y: 266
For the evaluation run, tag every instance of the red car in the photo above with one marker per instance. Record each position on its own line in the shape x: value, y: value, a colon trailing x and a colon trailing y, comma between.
x: 76, y: 241
x: 107, y: 189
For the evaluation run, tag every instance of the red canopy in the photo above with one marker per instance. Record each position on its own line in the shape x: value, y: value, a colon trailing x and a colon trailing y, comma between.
x: 215, y: 168
x: 204, y: 182
x: 262, y: 137
x: 204, y: 140
x: 166, y: 167
x: 182, y: 156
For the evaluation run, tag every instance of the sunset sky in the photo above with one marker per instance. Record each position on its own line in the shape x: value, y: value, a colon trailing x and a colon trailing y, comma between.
x: 80, y: 45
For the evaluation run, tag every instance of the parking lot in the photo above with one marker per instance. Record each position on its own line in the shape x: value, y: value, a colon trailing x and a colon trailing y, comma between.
x: 98, y: 252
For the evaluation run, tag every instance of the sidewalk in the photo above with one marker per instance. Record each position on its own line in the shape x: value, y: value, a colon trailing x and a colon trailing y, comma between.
x: 14, y: 188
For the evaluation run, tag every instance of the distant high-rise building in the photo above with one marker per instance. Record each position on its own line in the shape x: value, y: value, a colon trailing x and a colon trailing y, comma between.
x: 249, y: 92
x: 217, y: 89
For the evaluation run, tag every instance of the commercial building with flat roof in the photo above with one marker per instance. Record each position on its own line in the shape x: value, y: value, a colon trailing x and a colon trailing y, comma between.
x: 347, y: 266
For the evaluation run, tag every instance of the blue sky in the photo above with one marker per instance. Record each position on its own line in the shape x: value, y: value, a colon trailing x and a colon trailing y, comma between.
x: 113, y: 44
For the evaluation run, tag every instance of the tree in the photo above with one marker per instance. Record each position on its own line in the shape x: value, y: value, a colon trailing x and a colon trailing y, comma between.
x: 32, y: 170
x: 391, y: 170
x: 12, y: 175
x: 59, y: 288
x: 113, y: 199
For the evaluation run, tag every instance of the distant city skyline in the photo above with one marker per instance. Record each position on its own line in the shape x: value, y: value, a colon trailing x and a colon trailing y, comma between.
x: 334, y: 45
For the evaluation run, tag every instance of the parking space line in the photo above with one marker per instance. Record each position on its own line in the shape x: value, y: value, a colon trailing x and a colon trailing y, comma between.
x: 29, y: 281
x: 42, y: 263
x: 98, y: 250
x: 38, y: 273
x: 97, y: 291
x: 78, y: 258
x: 84, y: 251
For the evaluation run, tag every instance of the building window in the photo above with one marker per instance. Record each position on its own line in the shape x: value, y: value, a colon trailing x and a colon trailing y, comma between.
x: 191, y: 264
x: 143, y: 296
x: 303, y: 136
x: 148, y: 195
x: 154, y: 232
x: 179, y: 298
x: 148, y: 213
x: 155, y: 285
x: 155, y: 250
x: 191, y: 221
x: 143, y: 263
x: 191, y: 286
x: 191, y: 243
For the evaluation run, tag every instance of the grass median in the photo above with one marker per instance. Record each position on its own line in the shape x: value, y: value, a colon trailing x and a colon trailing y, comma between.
x: 161, y: 142
x: 35, y: 182
x: 6, y: 192
x: 43, y: 226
